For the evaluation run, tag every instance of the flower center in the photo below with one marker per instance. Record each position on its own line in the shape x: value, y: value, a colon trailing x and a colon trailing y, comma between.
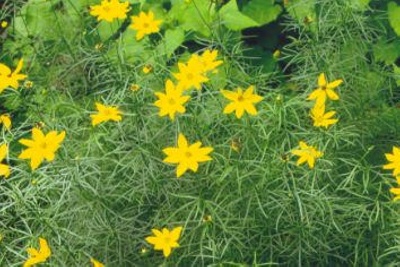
x: 189, y: 76
x: 188, y: 154
x: 167, y: 240
x: 240, y: 98
x: 43, y: 145
x: 106, y: 8
x: 171, y: 101
x: 146, y: 25
x: 323, y: 87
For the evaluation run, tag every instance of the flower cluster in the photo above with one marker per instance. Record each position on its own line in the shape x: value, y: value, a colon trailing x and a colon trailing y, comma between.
x: 109, y: 10
x: 324, y: 91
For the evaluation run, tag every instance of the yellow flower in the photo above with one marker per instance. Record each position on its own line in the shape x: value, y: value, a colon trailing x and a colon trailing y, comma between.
x: 96, y: 263
x: 165, y: 240
x: 241, y: 101
x: 394, y: 160
x: 145, y: 24
x: 135, y: 87
x: 207, y: 218
x: 191, y: 74
x: 396, y: 190
x: 208, y: 58
x: 4, y: 24
x: 41, y: 146
x: 324, y: 90
x: 277, y: 54
x: 172, y: 101
x: 105, y: 113
x: 147, y: 69
x: 28, y: 84
x: 8, y: 78
x: 109, y: 10
x: 4, y: 169
x: 5, y: 119
x: 322, y: 119
x: 38, y: 256
x: 307, y: 154
x: 186, y: 156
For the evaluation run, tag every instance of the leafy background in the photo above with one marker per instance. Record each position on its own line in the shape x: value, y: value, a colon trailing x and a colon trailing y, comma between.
x: 108, y: 186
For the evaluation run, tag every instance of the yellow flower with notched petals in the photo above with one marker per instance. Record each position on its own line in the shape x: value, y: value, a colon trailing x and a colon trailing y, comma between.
x: 41, y: 146
x: 394, y: 160
x: 191, y: 74
x: 5, y: 119
x: 10, y: 79
x: 172, y: 101
x: 96, y: 263
x: 105, y: 113
x: 322, y: 119
x: 4, y: 168
x: 109, y: 10
x: 187, y: 156
x: 208, y: 59
x: 325, y: 90
x: 38, y: 256
x: 165, y: 240
x: 307, y: 154
x: 145, y: 24
x: 241, y: 101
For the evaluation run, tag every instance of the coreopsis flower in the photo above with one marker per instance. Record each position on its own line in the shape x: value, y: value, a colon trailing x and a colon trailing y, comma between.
x: 135, y: 87
x: 28, y: 84
x: 10, y: 79
x: 322, y: 119
x: 191, y: 74
x: 172, y: 101
x: 145, y: 24
x: 109, y: 10
x: 96, y: 263
x: 208, y: 59
x: 325, y: 90
x: 165, y: 239
x: 396, y: 190
x: 241, y: 101
x: 4, y: 168
x: 307, y: 154
x: 187, y: 156
x: 41, y: 146
x: 38, y: 256
x: 105, y: 113
x: 147, y: 69
x: 5, y: 119
x: 394, y: 161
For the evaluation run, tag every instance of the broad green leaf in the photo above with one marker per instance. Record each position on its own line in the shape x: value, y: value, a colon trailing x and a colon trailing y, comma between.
x: 262, y: 11
x: 197, y: 15
x: 173, y: 38
x: 107, y: 29
x: 396, y: 71
x: 394, y: 16
x: 387, y: 52
x: 233, y: 19
x: 304, y: 12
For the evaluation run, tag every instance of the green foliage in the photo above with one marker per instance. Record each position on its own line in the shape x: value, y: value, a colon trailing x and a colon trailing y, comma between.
x: 108, y: 187
x: 394, y: 16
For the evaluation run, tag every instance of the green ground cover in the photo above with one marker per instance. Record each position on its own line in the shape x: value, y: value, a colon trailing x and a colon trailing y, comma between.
x: 199, y: 133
